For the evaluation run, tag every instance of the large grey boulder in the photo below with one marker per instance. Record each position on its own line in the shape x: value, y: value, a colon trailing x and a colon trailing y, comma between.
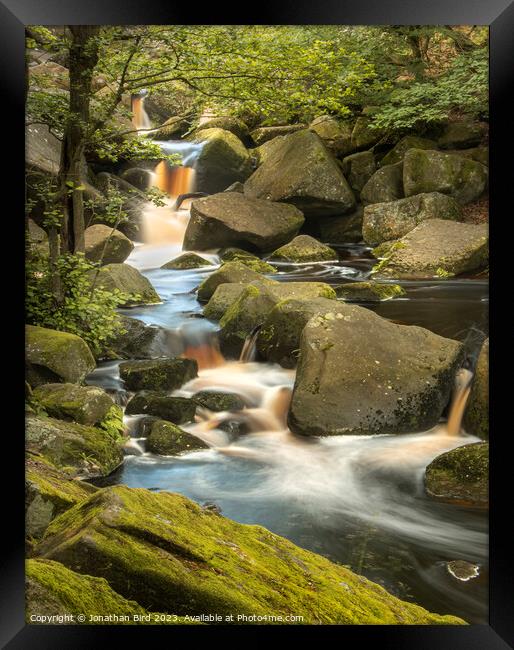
x: 437, y: 247
x: 158, y: 374
x: 359, y: 373
x: 106, y: 245
x: 233, y: 272
x: 462, y: 135
x: 234, y: 219
x: 224, y: 296
x: 302, y: 171
x: 386, y: 221
x: 359, y: 168
x: 227, y: 123
x: 128, y: 280
x: 336, y: 135
x: 398, y: 152
x: 434, y: 171
x: 364, y: 136
x: 476, y: 416
x: 266, y: 133
x: 386, y: 184
x: 346, y: 229
x: 136, y: 340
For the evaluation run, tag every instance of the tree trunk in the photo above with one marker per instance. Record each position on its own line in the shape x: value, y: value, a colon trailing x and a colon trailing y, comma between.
x: 83, y: 57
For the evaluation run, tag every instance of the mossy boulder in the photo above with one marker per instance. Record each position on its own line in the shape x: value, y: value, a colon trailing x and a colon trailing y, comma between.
x: 158, y: 374
x: 386, y: 184
x: 304, y: 248
x: 398, y: 152
x: 256, y: 302
x: 336, y: 135
x: 178, y: 410
x: 248, y: 259
x: 140, y: 178
x: 387, y: 221
x: 279, y: 338
x: 227, y: 123
x: 172, y: 129
x: 265, y: 133
x: 167, y: 439
x: 368, y: 291
x: 346, y: 229
x: 364, y: 135
x: 216, y: 400
x: 105, y: 245
x: 359, y: 373
x: 476, y: 416
x: 48, y: 493
x: 52, y: 356
x: 171, y: 555
x: 128, y: 280
x: 301, y: 171
x: 222, y: 298
x: 265, y: 149
x: 187, y: 261
x: 460, y: 475
x: 434, y: 171
x: 358, y: 168
x: 78, y: 450
x: 84, y: 404
x: 233, y: 272
x: 480, y: 154
x: 51, y: 589
x: 233, y: 219
x: 462, y: 134
x: 437, y: 248
x: 136, y: 340
x: 222, y: 160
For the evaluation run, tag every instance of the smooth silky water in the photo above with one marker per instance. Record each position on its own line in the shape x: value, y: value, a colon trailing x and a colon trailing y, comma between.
x: 358, y: 500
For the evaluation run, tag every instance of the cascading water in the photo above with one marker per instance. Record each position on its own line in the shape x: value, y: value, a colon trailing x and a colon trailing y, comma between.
x: 140, y: 118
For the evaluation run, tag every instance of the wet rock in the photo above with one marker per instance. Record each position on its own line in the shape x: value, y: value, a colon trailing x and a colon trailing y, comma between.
x: 84, y: 404
x: 387, y: 221
x: 251, y: 261
x: 233, y: 219
x: 227, y: 123
x: 78, y: 450
x: 335, y: 134
x: 437, y: 248
x: 158, y: 374
x: 178, y: 410
x: 398, y: 152
x: 460, y: 475
x: 105, y: 245
x: 361, y: 374
x: 476, y: 416
x: 462, y: 570
x: 462, y: 135
x: 266, y: 133
x: 56, y: 356
x: 346, y: 229
x: 222, y: 298
x: 187, y: 261
x: 138, y: 340
x: 223, y: 160
x: 304, y: 248
x: 301, y: 171
x: 358, y: 169
x: 386, y: 184
x: 218, y: 400
x: 166, y: 439
x: 128, y: 280
x: 434, y: 171
x: 48, y: 493
x: 233, y: 272
x: 162, y: 548
x: 368, y: 291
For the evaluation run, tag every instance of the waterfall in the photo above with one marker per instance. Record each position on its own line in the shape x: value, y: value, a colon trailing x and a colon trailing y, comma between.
x: 249, y: 347
x: 460, y: 398
x: 140, y: 118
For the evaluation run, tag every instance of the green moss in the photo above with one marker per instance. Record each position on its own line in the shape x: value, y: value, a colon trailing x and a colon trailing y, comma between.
x: 171, y: 555
x: 304, y: 248
x: 175, y: 409
x: 218, y: 401
x: 187, y: 261
x: 167, y: 439
x: 158, y: 374
x: 112, y: 423
x: 369, y: 291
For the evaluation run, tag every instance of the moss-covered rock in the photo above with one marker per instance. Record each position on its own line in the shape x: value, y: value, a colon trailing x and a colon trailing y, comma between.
x: 358, y: 168
x: 387, y: 221
x: 359, y: 373
x: 227, y: 123
x: 255, y: 303
x: 52, y: 590
x: 480, y: 154
x: 301, y: 171
x: 187, y: 261
x: 56, y: 356
x: 171, y: 555
x: 398, y: 152
x: 223, y: 297
x: 476, y: 416
x: 265, y: 133
x: 462, y: 134
x: 105, y: 245
x: 167, y: 439
x: 128, y: 280
x: 222, y: 160
x: 437, y: 248
x: 460, y: 475
x: 265, y: 149
x: 234, y: 219
x: 336, y: 135
x: 158, y: 374
x: 136, y: 340
x: 48, y: 493
x: 178, y: 410
x: 141, y: 179
x: 216, y: 400
x: 233, y: 272
x: 173, y: 128
x: 364, y: 135
x: 386, y: 184
x: 279, y: 338
x: 434, y: 171
x: 304, y: 248
x: 78, y: 450
x: 248, y: 259
x: 346, y: 229
x: 368, y: 291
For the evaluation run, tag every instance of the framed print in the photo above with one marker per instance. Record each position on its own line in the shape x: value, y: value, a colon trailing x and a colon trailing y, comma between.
x: 256, y: 329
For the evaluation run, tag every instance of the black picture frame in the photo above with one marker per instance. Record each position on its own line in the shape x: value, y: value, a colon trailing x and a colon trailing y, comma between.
x: 499, y: 15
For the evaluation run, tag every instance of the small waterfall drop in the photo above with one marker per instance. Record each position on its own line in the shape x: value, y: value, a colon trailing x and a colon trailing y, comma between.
x: 249, y: 347
x: 140, y: 118
x: 460, y: 397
